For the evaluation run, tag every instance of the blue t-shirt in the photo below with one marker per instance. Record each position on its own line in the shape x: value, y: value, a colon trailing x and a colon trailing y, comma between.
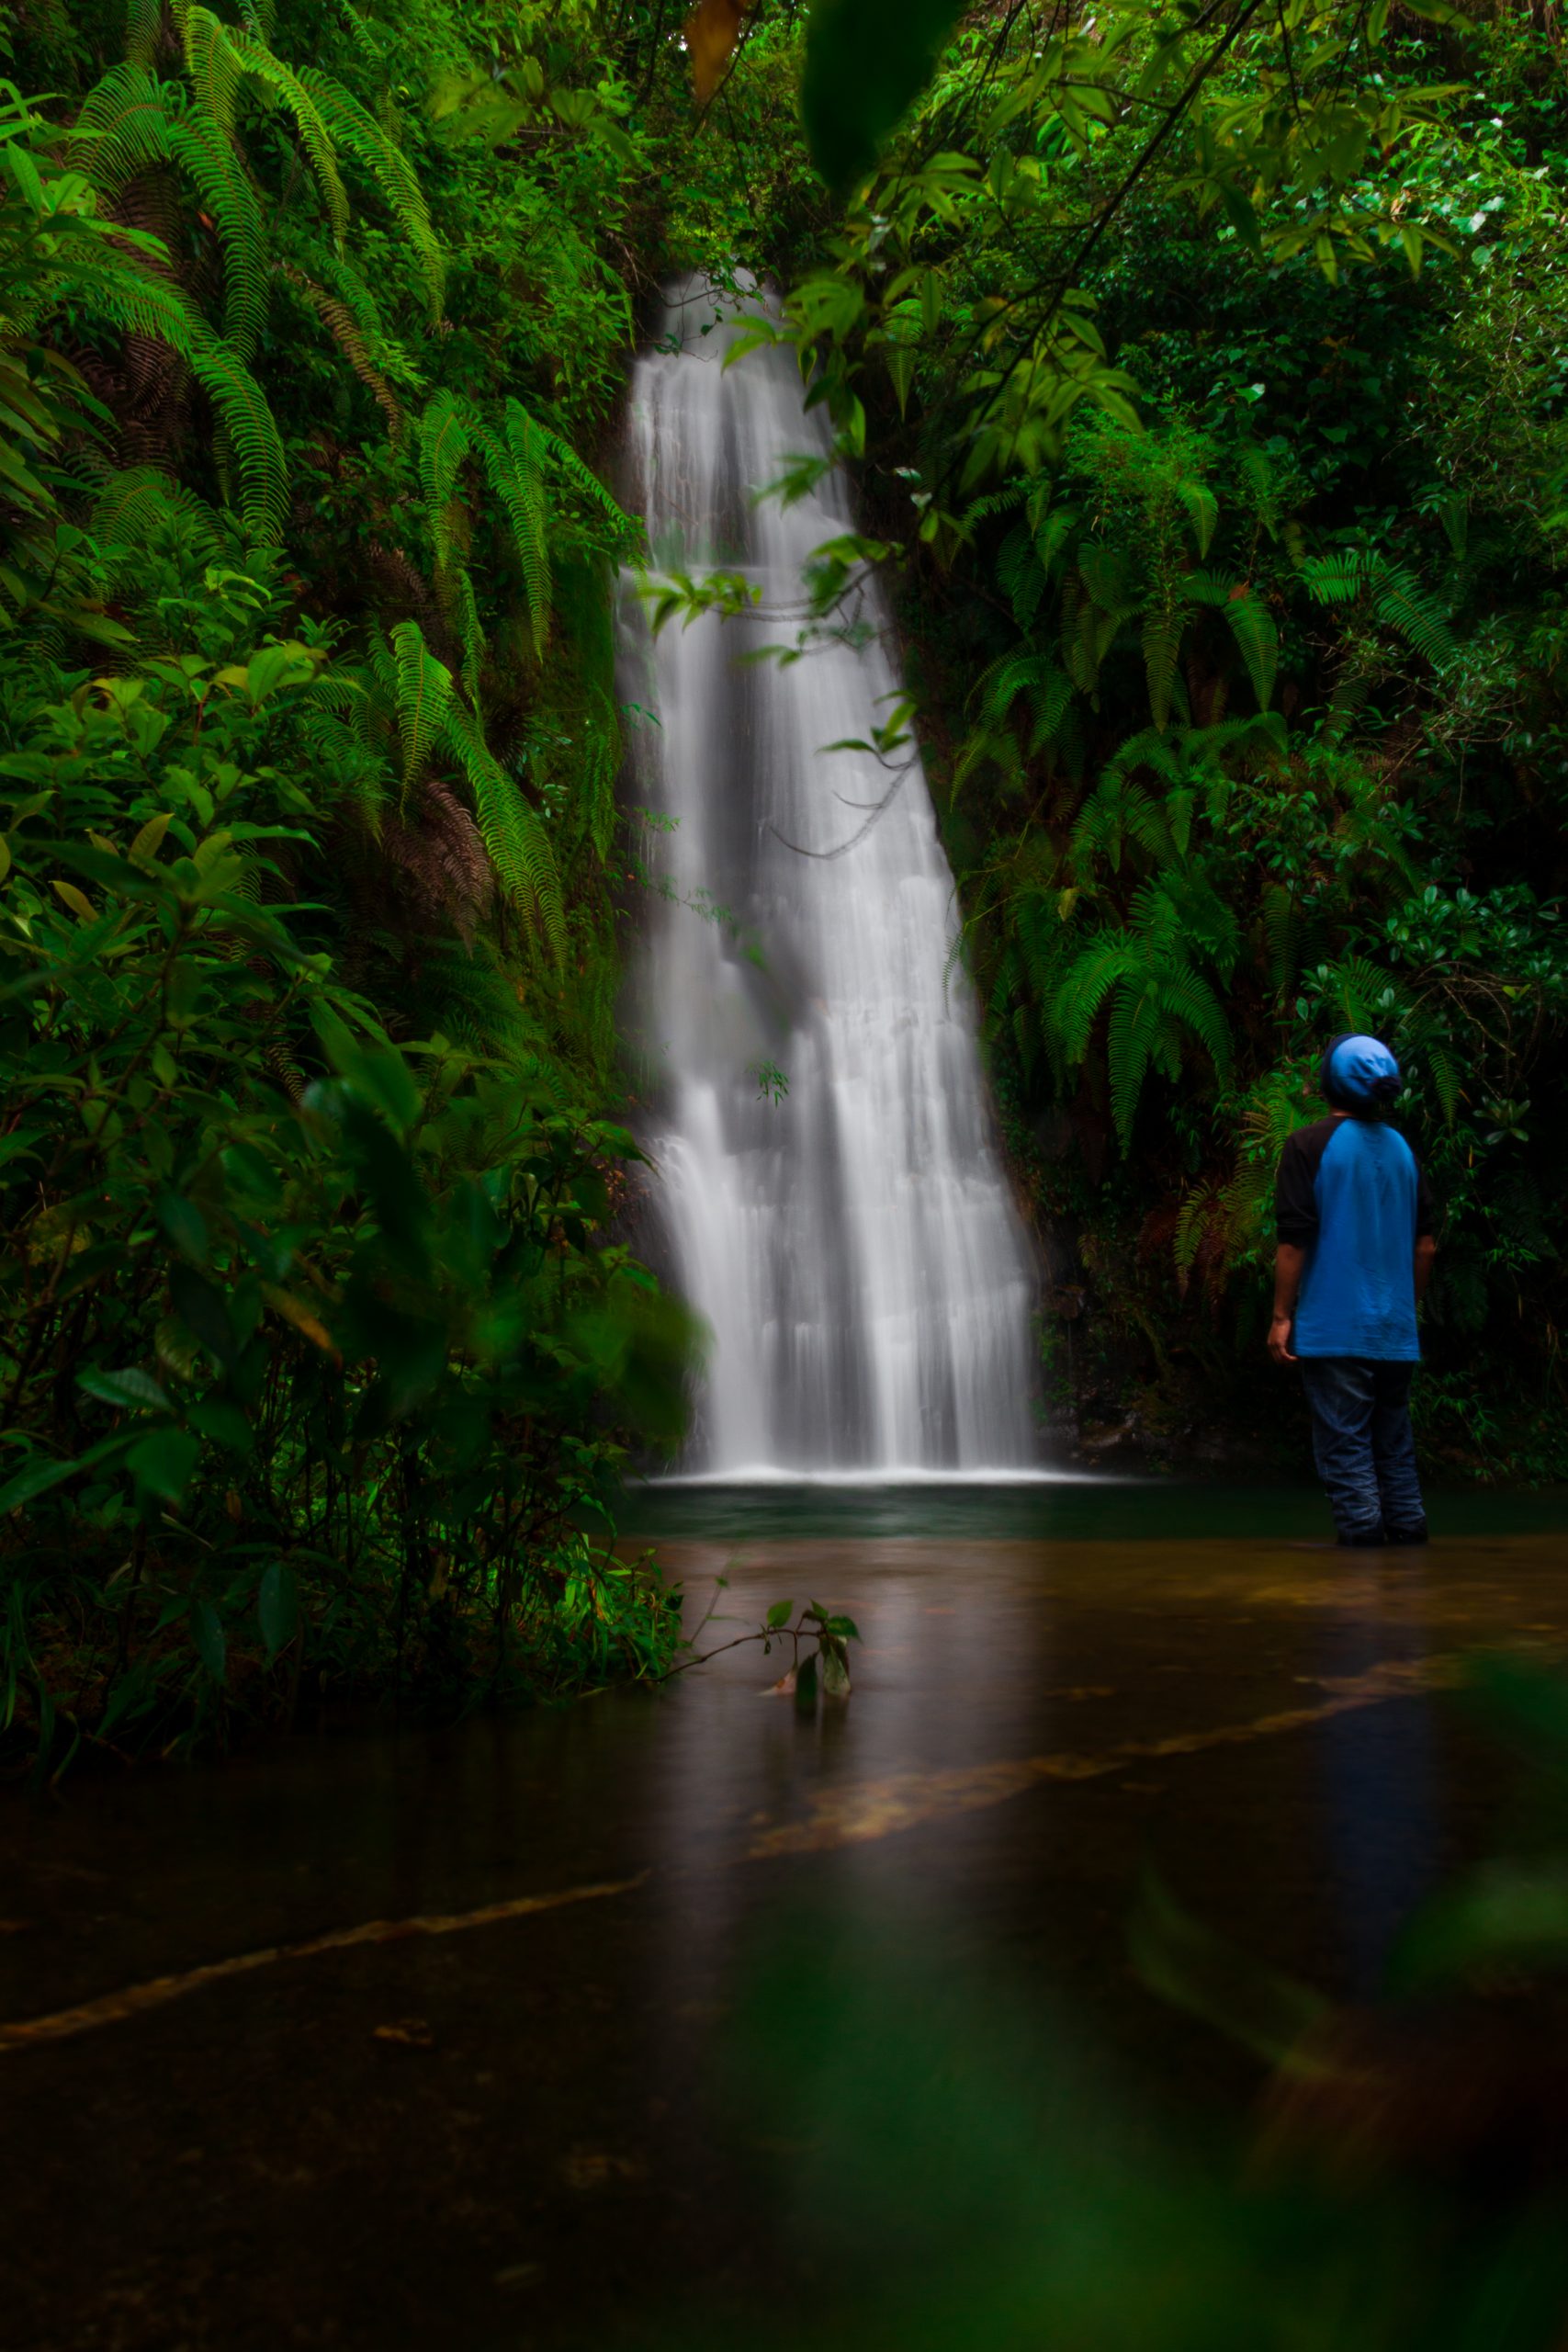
x: 1351, y: 1195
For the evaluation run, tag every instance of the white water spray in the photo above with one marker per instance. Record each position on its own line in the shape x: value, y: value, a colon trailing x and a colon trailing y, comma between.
x: 852, y: 1246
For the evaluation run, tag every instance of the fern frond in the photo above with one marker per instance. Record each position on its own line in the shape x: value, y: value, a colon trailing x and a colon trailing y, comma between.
x: 1335, y: 579
x: 253, y: 434
x: 423, y: 691
x: 995, y: 502
x: 443, y: 445
x: 1018, y: 569
x: 519, y: 485
x: 144, y: 24
x: 1202, y: 512
x: 1188, y: 997
x: 213, y: 64
x: 1162, y: 648
x: 256, y: 58
x: 1052, y: 533
x: 525, y: 433
x: 360, y: 135
x: 1399, y: 599
x: 229, y: 196
x: 1132, y: 1036
x: 1110, y: 956
x: 1256, y: 640
x: 1446, y: 1077
x: 1282, y: 931
x: 122, y: 128
x: 1106, y: 573
x: 349, y: 336
x: 515, y: 838
x: 998, y: 686
x: 471, y: 632
x: 1116, y: 811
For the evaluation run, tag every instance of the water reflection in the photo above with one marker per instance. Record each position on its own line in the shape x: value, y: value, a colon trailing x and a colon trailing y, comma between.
x: 1032, y: 1722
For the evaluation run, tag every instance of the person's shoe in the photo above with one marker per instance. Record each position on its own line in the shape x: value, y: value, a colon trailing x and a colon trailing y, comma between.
x: 1406, y: 1537
x: 1364, y: 1542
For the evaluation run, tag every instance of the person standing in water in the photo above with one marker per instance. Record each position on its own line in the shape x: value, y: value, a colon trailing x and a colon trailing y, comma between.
x: 1354, y: 1223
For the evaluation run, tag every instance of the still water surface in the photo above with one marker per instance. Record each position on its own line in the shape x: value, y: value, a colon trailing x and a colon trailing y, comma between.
x: 528, y: 2130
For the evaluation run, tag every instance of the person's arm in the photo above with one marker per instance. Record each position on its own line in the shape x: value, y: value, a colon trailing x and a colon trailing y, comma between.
x: 1425, y: 1240
x: 1289, y: 1260
x: 1295, y: 1229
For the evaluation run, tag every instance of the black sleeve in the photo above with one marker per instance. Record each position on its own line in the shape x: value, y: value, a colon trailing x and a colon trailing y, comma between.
x: 1295, y: 1188
x: 1425, y: 1225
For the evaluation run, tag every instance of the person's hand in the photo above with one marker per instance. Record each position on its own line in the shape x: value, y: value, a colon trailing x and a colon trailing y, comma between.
x: 1280, y: 1340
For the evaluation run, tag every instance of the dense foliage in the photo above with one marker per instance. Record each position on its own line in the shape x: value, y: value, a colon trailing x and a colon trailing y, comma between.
x: 320, y: 1337
x: 1205, y: 372
x: 1202, y: 371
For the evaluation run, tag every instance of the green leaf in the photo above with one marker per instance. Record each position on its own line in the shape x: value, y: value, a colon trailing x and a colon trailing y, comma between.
x: 835, y: 1672
x: 131, y: 1390
x: 866, y: 62
x: 39, y: 1476
x: 845, y: 1628
x: 203, y: 1310
x: 162, y: 1462
x: 277, y: 1607
x: 216, y: 1418
x: 183, y: 1224
x: 805, y: 1686
x: 779, y: 1615
x: 207, y: 1633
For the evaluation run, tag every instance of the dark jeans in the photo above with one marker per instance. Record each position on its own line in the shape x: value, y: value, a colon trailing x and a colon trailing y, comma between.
x: 1364, y: 1448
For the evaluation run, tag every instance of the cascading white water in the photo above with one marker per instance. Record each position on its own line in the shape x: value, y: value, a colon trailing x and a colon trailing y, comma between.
x: 852, y: 1246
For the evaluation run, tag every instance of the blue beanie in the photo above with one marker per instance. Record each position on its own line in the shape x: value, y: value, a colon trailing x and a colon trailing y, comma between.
x: 1360, y: 1075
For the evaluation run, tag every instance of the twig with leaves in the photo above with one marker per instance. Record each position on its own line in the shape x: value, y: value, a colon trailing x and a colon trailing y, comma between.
x: 825, y: 1667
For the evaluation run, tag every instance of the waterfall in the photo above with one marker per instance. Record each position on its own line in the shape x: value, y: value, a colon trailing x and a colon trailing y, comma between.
x: 850, y: 1243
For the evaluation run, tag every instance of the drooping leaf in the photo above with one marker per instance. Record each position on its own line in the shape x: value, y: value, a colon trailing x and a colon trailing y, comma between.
x: 711, y: 32
x: 131, y: 1390
x: 277, y: 1607
x: 162, y: 1463
x: 208, y: 1639
x: 866, y: 62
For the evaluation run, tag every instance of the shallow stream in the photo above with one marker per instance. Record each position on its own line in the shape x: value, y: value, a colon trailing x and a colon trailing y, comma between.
x: 528, y: 2126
